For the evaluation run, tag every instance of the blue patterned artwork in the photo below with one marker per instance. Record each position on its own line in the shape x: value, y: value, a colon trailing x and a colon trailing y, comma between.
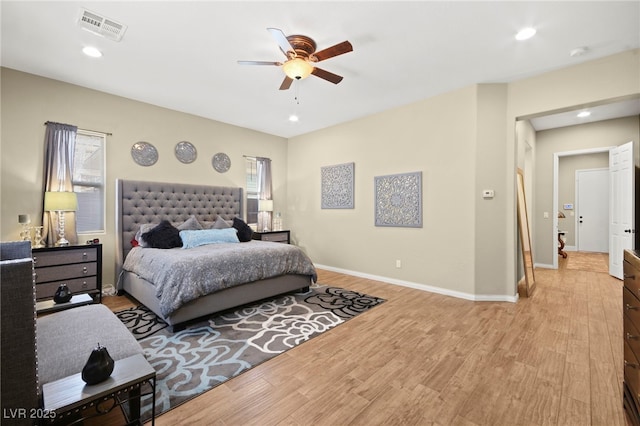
x: 398, y: 200
x: 337, y: 186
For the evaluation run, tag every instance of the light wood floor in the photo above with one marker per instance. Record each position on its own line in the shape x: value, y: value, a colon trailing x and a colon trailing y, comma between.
x: 422, y: 359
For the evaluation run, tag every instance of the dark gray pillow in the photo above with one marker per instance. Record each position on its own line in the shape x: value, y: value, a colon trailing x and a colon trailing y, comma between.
x: 190, y: 224
x: 220, y: 223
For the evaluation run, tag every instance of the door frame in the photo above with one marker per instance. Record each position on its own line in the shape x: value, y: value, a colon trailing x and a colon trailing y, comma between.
x: 556, y: 166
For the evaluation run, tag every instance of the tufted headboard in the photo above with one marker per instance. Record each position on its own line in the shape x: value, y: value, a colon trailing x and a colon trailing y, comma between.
x: 139, y: 202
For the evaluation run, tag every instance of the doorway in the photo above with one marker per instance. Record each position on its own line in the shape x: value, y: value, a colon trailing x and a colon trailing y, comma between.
x: 556, y: 192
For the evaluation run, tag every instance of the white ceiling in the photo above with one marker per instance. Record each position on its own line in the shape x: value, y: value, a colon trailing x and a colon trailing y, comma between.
x: 182, y: 55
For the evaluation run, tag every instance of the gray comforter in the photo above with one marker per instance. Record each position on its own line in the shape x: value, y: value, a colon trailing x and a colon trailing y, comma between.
x: 182, y: 275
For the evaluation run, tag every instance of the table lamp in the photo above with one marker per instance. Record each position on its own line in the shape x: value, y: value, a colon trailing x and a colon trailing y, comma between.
x: 266, y: 206
x: 60, y: 202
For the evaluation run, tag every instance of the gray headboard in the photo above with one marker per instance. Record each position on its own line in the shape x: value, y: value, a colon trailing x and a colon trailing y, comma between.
x: 139, y: 202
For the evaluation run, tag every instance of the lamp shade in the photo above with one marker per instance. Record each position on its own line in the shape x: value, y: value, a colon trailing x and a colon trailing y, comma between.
x: 60, y: 201
x: 297, y: 68
x: 265, y: 205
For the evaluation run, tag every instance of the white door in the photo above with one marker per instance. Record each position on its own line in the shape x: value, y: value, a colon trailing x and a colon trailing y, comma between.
x: 592, y: 210
x: 622, y: 227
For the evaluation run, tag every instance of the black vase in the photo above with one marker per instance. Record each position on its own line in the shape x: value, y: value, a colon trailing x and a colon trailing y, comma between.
x: 99, y: 366
x: 63, y: 294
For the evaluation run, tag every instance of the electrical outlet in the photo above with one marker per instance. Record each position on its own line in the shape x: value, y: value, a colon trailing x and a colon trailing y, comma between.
x: 398, y: 263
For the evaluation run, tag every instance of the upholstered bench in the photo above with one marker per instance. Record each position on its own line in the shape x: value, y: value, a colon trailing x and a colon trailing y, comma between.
x: 65, y: 340
x: 37, y: 351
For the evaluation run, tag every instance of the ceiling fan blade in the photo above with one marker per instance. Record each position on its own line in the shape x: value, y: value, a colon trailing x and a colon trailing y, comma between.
x: 259, y: 63
x: 286, y: 83
x: 326, y: 75
x: 332, y: 51
x: 282, y: 41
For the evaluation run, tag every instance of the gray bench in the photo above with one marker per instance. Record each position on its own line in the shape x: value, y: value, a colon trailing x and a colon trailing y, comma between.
x: 54, y: 346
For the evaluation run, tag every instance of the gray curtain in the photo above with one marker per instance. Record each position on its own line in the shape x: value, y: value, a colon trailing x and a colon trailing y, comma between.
x: 264, y: 190
x: 60, y: 144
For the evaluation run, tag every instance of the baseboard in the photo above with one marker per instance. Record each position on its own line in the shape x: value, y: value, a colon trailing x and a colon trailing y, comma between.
x: 543, y: 265
x: 424, y: 287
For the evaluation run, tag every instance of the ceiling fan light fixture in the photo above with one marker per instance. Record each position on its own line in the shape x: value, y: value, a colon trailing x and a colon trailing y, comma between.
x: 297, y: 68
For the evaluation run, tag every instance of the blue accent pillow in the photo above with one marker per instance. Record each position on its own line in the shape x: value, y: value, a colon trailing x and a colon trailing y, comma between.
x: 202, y: 237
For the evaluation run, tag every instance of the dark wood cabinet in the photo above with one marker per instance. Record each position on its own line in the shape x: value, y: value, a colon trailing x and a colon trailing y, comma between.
x: 79, y: 267
x: 631, y: 335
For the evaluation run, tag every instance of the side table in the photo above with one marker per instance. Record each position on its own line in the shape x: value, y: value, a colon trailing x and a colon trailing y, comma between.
x: 275, y: 236
x: 70, y: 397
x: 46, y: 306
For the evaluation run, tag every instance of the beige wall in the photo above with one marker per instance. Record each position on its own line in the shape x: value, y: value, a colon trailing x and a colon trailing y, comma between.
x: 417, y: 137
x: 601, y: 134
x: 28, y: 101
x: 462, y: 141
x: 441, y: 136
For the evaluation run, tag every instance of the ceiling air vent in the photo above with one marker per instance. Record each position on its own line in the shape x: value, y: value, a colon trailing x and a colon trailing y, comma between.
x: 101, y: 25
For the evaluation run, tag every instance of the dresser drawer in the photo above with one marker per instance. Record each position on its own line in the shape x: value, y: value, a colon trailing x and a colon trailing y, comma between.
x: 65, y: 272
x: 631, y: 278
x: 632, y: 371
x: 48, y: 258
x: 278, y: 237
x: 77, y: 285
x: 631, y: 307
x: 631, y: 335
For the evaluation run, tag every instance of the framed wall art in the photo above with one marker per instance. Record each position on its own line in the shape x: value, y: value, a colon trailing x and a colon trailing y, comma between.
x: 337, y: 185
x: 398, y: 200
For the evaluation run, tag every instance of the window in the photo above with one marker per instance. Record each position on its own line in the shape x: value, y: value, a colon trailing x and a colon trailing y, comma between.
x: 88, y: 181
x: 252, y: 191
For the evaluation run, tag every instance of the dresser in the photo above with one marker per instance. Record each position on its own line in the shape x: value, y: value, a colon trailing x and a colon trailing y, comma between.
x: 276, y: 236
x: 79, y: 267
x: 631, y: 334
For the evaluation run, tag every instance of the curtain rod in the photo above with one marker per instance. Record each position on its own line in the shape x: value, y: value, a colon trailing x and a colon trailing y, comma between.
x: 97, y: 131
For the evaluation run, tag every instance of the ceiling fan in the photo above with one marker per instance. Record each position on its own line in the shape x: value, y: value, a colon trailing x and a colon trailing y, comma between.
x: 301, y: 56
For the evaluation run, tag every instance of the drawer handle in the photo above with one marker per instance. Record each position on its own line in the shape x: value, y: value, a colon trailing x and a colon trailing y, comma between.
x: 84, y: 255
x: 629, y: 307
x: 35, y: 259
x: 632, y: 337
x: 630, y: 364
x: 631, y: 277
x: 84, y: 284
x: 84, y: 270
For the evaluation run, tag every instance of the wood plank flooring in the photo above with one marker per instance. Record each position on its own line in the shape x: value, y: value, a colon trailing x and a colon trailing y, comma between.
x: 426, y: 359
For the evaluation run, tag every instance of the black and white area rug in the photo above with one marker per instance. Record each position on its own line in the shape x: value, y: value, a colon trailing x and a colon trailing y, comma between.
x: 212, y: 351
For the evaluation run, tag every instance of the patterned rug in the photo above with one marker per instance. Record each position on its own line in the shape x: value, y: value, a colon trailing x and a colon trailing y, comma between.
x: 212, y: 351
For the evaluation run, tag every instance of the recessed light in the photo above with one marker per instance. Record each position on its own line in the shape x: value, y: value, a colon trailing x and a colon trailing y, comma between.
x: 525, y: 33
x: 293, y: 118
x: 91, y: 51
x: 583, y: 114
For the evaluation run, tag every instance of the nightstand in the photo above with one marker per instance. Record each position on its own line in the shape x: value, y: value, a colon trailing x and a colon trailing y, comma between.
x: 275, y: 236
x: 79, y: 267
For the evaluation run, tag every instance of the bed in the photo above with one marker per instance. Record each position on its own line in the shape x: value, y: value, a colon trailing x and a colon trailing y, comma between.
x: 141, y: 202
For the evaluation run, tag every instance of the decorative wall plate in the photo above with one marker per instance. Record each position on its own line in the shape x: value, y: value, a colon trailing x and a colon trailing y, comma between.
x: 221, y: 162
x: 186, y: 152
x: 144, y: 153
